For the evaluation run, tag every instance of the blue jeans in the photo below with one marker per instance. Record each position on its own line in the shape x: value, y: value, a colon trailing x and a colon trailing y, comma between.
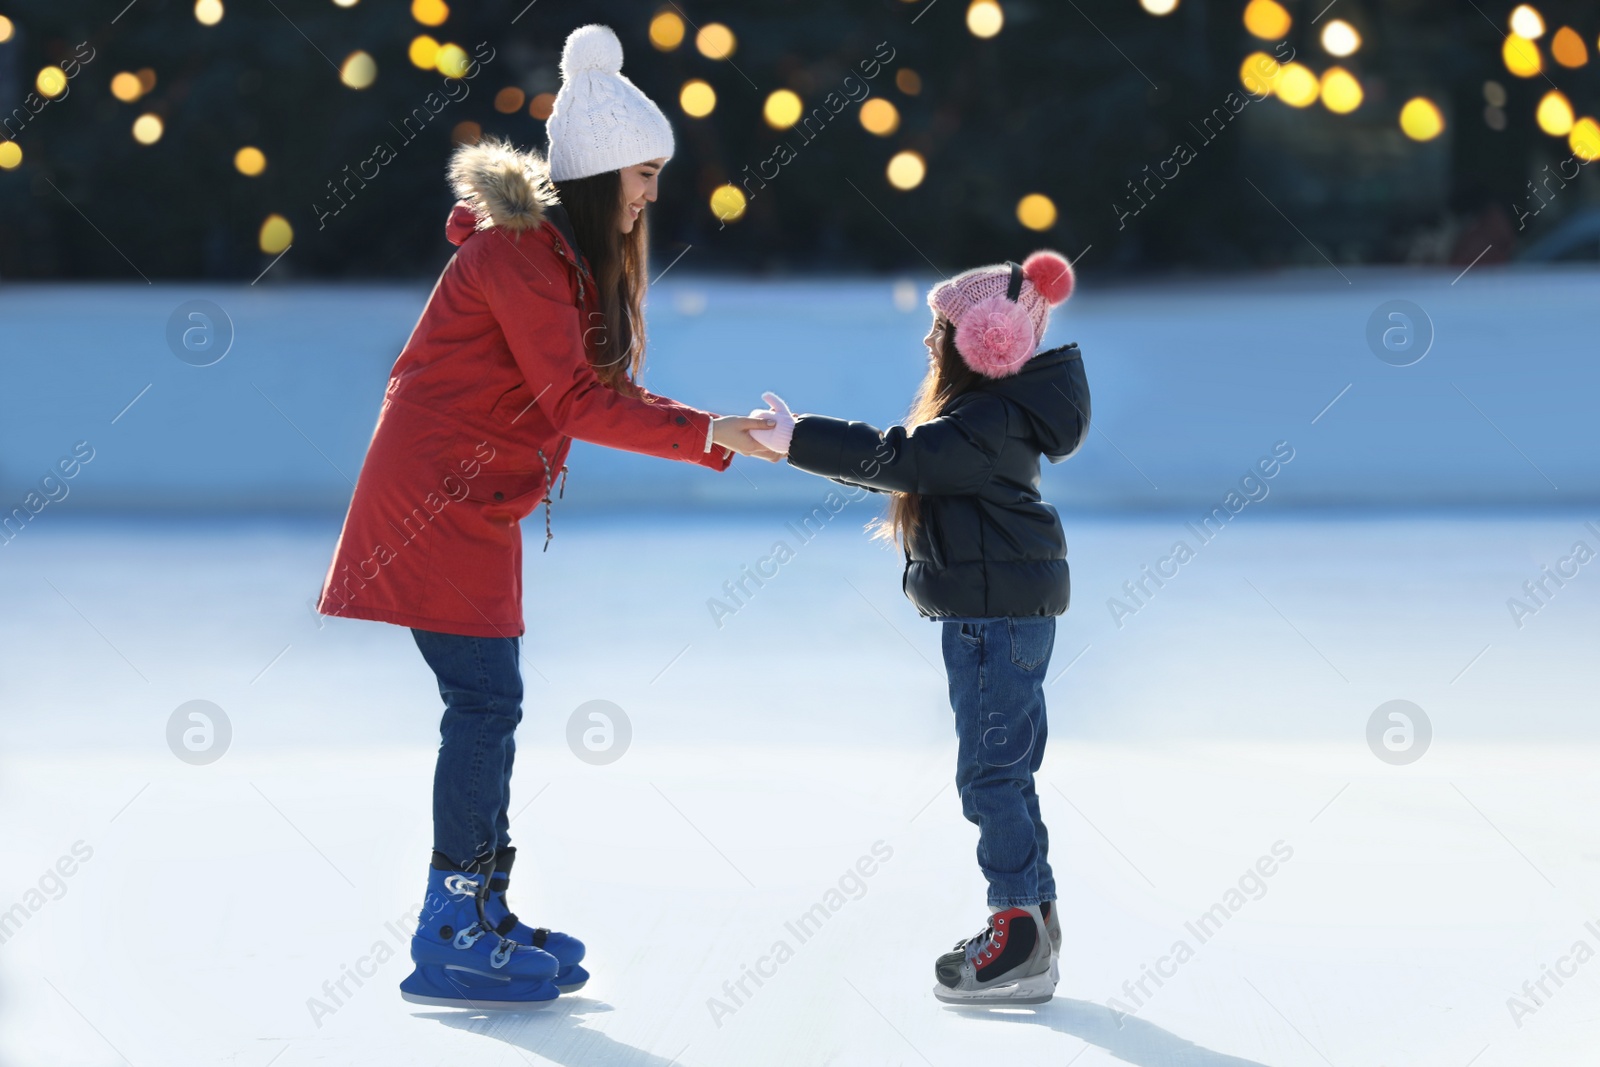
x: 480, y: 679
x: 997, y: 670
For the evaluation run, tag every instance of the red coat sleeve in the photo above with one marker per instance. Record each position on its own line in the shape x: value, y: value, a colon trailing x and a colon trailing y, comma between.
x: 525, y: 285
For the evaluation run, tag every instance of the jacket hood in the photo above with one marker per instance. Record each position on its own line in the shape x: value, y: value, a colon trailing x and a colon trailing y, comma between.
x: 1051, y: 391
x: 503, y: 185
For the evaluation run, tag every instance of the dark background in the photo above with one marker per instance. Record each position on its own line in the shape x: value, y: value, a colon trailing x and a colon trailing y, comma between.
x: 1060, y: 102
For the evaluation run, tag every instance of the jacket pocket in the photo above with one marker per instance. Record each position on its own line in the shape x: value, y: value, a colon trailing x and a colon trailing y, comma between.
x: 506, y: 496
x: 1032, y: 640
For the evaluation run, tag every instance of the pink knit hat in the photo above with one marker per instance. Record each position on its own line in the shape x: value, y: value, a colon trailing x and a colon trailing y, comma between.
x: 1000, y: 312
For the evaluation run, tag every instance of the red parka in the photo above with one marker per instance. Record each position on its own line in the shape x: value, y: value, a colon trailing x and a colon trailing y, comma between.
x: 481, y: 409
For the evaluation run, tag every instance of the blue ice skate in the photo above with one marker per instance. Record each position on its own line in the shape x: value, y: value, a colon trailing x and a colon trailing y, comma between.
x: 567, y: 949
x: 461, y: 962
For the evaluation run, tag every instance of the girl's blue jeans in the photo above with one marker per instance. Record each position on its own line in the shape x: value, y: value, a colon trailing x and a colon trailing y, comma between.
x: 480, y: 679
x: 997, y: 671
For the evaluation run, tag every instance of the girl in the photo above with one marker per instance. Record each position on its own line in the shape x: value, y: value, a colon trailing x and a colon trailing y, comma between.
x: 985, y: 556
x: 533, y: 336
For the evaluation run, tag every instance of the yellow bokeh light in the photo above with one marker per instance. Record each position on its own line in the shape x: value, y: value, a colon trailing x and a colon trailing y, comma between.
x: 715, y: 41
x: 1568, y: 49
x: 782, y: 109
x: 126, y: 87
x: 697, y: 98
x: 1339, y: 38
x: 879, y: 116
x: 147, y: 129
x: 424, y: 52
x: 249, y: 161
x: 51, y: 82
x: 906, y: 170
x: 1259, y: 74
x: 1159, y: 7
x: 728, y: 203
x: 1521, y: 56
x: 1526, y: 21
x: 908, y: 81
x: 1297, y: 86
x: 430, y: 12
x: 1341, y: 93
x: 208, y: 12
x: 984, y: 18
x: 1584, y: 139
x: 344, y: 3
x: 666, y: 31
x: 1267, y: 19
x: 359, y: 71
x: 10, y: 155
x: 1036, y: 211
x: 1420, y: 119
x: 452, y: 61
x: 1555, y: 114
x: 276, y: 235
x: 6, y: 30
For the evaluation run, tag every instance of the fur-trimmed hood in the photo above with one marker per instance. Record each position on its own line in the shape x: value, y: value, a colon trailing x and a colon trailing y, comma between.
x: 504, y: 186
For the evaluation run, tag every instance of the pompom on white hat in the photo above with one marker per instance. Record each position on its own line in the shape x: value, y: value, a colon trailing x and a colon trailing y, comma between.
x: 601, y: 121
x: 1000, y: 313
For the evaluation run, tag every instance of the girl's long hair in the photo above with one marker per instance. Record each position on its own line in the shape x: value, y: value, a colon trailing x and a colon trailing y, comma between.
x: 948, y: 377
x: 618, y: 261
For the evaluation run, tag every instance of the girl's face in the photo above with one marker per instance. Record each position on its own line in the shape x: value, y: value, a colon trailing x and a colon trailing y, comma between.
x: 935, y: 334
x: 638, y: 189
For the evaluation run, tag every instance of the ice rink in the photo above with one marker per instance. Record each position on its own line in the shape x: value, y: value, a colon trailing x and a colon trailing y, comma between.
x: 794, y: 762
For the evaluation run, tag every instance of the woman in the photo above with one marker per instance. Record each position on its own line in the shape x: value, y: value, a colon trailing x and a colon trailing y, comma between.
x: 533, y: 336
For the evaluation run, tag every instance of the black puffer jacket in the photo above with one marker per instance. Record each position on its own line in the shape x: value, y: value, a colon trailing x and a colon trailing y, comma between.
x: 988, y: 545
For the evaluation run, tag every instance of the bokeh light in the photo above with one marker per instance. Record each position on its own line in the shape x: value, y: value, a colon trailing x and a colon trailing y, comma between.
x: 782, y: 109
x: 878, y: 116
x: 345, y: 3
x: 1584, y: 139
x: 51, y: 82
x: 1494, y: 94
x: 697, y: 98
x: 1259, y: 74
x: 6, y: 30
x: 249, y: 161
x: 424, y: 52
x: 1159, y: 7
x: 1267, y: 19
x: 1526, y: 22
x: 728, y: 203
x: 906, y: 170
x: 147, y: 79
x: 1555, y: 114
x: 148, y: 128
x: 1339, y: 38
x: 908, y: 81
x: 359, y: 71
x: 1521, y: 56
x: 1568, y: 49
x: 715, y: 41
x: 452, y: 61
x: 509, y: 101
x: 541, y: 106
x: 430, y: 12
x: 126, y: 87
x: 466, y: 132
x: 1036, y: 211
x: 1341, y: 92
x: 10, y: 155
x: 1421, y: 119
x: 984, y: 18
x: 1297, y: 86
x: 276, y: 235
x: 208, y: 12
x: 666, y: 31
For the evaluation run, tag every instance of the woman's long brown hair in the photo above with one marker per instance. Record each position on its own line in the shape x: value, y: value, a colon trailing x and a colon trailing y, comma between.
x: 948, y: 377
x: 618, y: 262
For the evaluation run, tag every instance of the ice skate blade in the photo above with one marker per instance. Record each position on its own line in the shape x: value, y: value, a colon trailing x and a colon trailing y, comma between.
x: 1037, y: 989
x: 478, y: 1005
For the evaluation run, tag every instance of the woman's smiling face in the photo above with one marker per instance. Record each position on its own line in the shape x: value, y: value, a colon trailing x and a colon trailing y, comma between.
x: 638, y: 189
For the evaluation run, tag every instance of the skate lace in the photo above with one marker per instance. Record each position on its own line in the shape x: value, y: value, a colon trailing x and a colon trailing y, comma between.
x: 981, y: 944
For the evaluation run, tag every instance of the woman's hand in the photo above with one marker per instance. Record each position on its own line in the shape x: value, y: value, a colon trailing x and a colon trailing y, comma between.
x: 733, y: 432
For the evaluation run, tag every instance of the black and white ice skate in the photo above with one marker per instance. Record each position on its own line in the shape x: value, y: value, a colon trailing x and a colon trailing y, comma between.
x: 1008, y: 963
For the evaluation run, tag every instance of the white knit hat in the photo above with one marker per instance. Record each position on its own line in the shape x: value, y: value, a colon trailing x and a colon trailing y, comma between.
x: 601, y: 121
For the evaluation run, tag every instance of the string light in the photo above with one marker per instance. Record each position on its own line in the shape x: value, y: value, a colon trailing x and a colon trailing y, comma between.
x: 1267, y: 19
x: 148, y: 128
x: 1297, y: 86
x: 697, y: 98
x: 1259, y: 74
x: 452, y: 61
x: 1555, y: 114
x: 906, y: 170
x: 1036, y: 211
x: 1339, y: 38
x: 51, y: 82
x: 6, y: 30
x: 1159, y: 7
x: 509, y: 101
x: 878, y: 116
x: 276, y: 235
x: 249, y: 161
x: 715, y: 41
x: 1527, y: 22
x: 424, y: 52
x: 666, y: 31
x: 541, y: 106
x: 984, y: 18
x: 430, y: 12
x: 728, y: 203
x: 10, y: 155
x: 1521, y: 56
x: 208, y: 12
x: 359, y: 71
x: 1568, y: 49
x: 1341, y: 93
x: 1584, y: 140
x: 908, y: 81
x: 782, y: 109
x: 126, y: 87
x: 1420, y: 119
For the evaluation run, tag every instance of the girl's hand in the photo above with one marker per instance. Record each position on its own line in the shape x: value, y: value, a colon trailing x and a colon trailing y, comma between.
x: 733, y: 433
x: 777, y: 439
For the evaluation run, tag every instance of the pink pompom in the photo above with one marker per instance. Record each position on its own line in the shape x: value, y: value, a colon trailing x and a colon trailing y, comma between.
x: 995, y: 337
x: 1050, y: 274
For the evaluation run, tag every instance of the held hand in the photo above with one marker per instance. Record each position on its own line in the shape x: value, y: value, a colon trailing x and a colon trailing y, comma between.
x: 733, y: 432
x: 777, y: 439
